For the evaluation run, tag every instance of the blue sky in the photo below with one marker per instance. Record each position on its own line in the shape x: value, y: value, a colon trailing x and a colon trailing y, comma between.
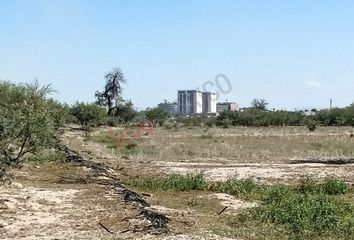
x: 295, y: 54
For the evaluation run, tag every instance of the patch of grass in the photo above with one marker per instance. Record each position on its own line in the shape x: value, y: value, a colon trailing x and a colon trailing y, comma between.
x: 46, y: 156
x: 330, y: 186
x: 206, y: 136
x: 189, y: 182
x: 309, y: 210
x: 306, y: 211
x: 305, y: 215
x: 4, y: 165
x: 131, y: 149
x: 243, y: 188
x: 307, y: 185
x: 105, y: 140
x: 333, y: 186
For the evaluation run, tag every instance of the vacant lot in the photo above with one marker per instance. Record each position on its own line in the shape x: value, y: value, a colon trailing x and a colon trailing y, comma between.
x: 212, y: 183
x: 262, y: 153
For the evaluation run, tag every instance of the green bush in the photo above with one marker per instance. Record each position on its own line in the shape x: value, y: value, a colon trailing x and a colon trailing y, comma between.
x: 305, y: 211
x: 237, y: 187
x: 28, y: 122
x: 311, y: 125
x: 113, y: 121
x: 124, y: 111
x: 333, y: 186
x: 303, y: 214
x: 47, y: 156
x: 168, y: 124
x: 131, y: 149
x: 308, y: 185
x: 157, y: 116
x: 88, y: 114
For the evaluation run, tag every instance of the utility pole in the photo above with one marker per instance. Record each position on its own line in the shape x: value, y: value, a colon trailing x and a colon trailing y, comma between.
x: 330, y: 104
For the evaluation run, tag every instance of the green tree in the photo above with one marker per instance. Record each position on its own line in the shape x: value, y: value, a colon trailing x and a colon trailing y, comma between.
x: 88, y: 114
x: 111, y: 96
x: 125, y: 112
x: 156, y: 116
x: 27, y: 122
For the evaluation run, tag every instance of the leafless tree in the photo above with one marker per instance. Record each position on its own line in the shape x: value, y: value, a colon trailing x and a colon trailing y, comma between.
x: 260, y: 104
x: 111, y: 96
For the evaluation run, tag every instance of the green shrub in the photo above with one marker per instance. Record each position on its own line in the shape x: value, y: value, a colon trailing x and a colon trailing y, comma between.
x: 88, y: 114
x: 131, y: 149
x: 305, y: 212
x: 206, y: 136
x: 302, y: 214
x: 47, y: 156
x: 4, y: 165
x: 311, y: 125
x: 113, y: 121
x: 175, y: 182
x: 333, y: 186
x: 330, y: 186
x: 307, y: 185
x: 124, y: 111
x: 28, y: 122
x: 211, y: 122
x: 239, y: 188
x: 168, y: 125
x: 157, y: 116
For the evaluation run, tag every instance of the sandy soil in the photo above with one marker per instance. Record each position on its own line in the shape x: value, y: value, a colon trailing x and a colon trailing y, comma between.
x: 29, y: 212
x: 233, y: 204
x: 260, y: 172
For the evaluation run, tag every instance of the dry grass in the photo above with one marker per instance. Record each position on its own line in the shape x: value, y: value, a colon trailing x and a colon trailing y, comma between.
x: 240, y: 144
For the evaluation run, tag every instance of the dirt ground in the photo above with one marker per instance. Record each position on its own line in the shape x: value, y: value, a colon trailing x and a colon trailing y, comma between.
x: 265, y: 173
x: 54, y: 201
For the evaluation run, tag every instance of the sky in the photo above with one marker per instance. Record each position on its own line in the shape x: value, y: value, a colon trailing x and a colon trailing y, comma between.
x: 294, y: 53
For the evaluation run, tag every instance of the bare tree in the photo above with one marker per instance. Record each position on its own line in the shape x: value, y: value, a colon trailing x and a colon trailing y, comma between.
x: 260, y: 104
x: 40, y: 90
x: 111, y: 96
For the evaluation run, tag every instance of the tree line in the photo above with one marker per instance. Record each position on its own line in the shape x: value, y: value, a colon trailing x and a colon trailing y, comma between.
x: 260, y: 118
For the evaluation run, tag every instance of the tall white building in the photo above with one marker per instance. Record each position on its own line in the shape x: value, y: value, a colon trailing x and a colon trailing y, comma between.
x: 196, y: 102
x: 190, y: 102
x: 209, y: 102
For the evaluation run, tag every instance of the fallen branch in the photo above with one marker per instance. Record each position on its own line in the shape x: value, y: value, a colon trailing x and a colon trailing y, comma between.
x: 105, y: 228
x: 223, y: 210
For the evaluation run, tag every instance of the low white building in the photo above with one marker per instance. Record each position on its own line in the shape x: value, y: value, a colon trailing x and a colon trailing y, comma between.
x: 170, y: 107
x: 227, y: 106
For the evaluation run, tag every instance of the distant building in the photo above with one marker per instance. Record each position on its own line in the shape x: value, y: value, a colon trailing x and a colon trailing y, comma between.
x: 209, y: 102
x: 227, y: 106
x: 190, y: 102
x: 170, y: 107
